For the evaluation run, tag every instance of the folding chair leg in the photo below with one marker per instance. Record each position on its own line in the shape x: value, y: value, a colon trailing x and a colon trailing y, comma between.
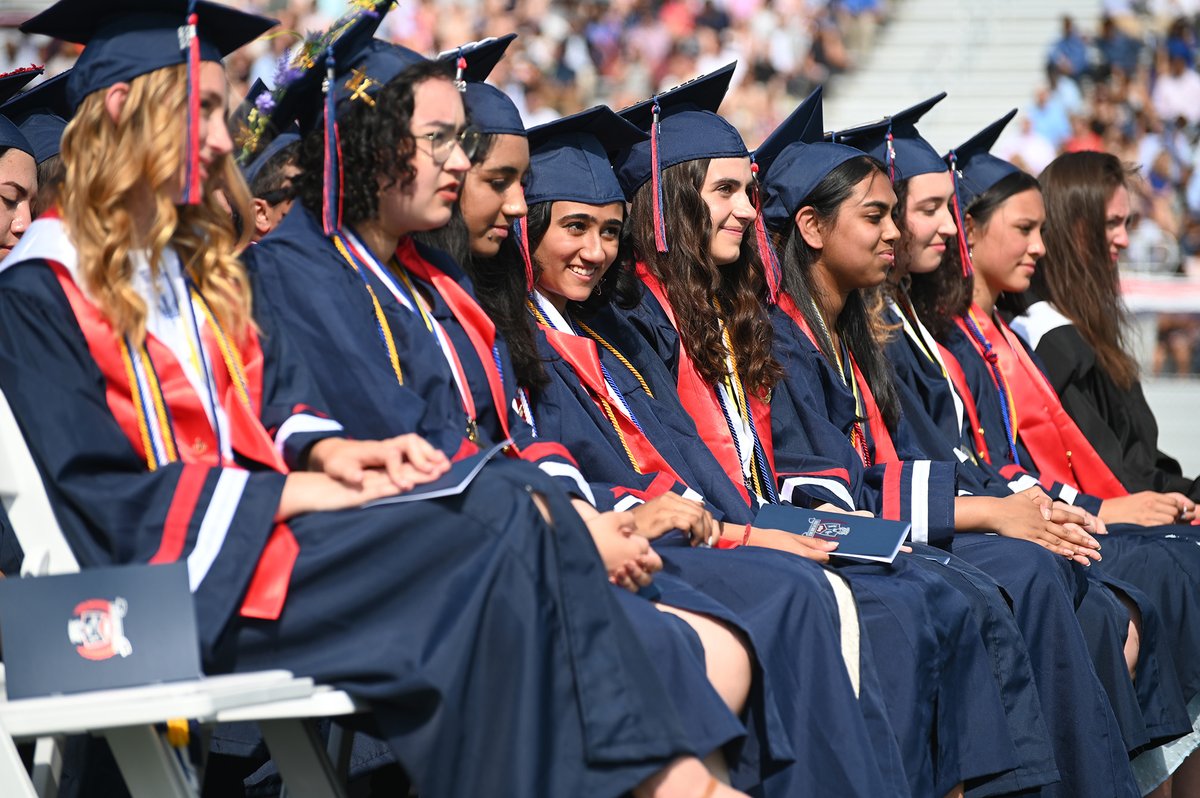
x: 300, y: 754
x: 340, y: 748
x: 47, y: 766
x: 13, y: 777
x: 148, y: 764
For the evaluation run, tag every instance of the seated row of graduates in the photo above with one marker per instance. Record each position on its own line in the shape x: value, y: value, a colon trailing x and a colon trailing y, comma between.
x: 670, y: 364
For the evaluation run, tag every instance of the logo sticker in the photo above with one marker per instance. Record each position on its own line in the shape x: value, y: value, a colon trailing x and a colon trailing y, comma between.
x: 98, y: 629
x: 818, y: 528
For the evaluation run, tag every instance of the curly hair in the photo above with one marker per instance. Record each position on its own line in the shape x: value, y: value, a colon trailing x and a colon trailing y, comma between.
x: 692, y: 281
x: 941, y: 296
x: 376, y: 142
x: 860, y: 325
x: 109, y: 164
x: 1076, y: 275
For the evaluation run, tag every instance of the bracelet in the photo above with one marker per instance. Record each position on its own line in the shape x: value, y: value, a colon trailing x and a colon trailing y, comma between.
x: 746, y: 537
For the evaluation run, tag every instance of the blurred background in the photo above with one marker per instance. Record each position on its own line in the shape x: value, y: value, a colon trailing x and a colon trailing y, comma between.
x: 1113, y: 75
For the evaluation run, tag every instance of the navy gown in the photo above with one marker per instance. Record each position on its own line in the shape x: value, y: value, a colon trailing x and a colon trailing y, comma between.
x: 393, y: 604
x: 1043, y: 589
x: 923, y: 636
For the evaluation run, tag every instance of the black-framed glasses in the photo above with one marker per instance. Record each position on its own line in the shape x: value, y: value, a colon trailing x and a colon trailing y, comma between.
x: 279, y: 195
x: 442, y: 143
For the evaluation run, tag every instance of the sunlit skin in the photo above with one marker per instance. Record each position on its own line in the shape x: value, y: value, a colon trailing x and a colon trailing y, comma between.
x: 493, y: 194
x: 426, y: 202
x: 929, y: 223
x: 1005, y: 251
x: 18, y: 185
x: 726, y: 192
x: 267, y: 216
x: 1116, y: 221
x: 856, y: 246
x: 577, y: 249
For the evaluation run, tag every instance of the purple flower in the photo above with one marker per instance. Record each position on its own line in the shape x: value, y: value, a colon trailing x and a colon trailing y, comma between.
x: 265, y: 103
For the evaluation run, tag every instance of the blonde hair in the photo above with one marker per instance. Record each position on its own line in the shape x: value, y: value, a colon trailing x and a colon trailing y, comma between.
x: 111, y: 166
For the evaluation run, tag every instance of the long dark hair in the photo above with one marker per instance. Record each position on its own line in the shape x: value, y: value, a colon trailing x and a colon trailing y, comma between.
x: 943, y: 295
x: 1075, y: 275
x: 860, y: 324
x: 500, y: 287
x: 376, y: 141
x: 692, y: 281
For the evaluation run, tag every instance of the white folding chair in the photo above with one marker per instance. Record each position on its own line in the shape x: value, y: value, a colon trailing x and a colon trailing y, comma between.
x: 282, y: 704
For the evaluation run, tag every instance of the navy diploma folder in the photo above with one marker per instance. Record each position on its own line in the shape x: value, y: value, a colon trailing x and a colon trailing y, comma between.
x: 858, y: 537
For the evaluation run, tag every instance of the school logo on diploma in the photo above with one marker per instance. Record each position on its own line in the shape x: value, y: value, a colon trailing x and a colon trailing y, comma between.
x: 98, y: 629
x: 819, y: 528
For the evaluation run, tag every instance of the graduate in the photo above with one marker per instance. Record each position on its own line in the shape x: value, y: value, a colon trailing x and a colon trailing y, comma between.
x: 818, y: 199
x: 1002, y: 217
x: 701, y: 311
x: 18, y: 168
x: 192, y: 437
x: 1073, y: 318
x: 266, y: 152
x: 41, y: 113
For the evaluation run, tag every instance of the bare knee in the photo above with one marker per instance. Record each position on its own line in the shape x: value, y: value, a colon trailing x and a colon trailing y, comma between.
x: 727, y: 659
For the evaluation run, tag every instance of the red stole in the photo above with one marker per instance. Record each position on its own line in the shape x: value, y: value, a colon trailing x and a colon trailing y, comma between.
x: 1059, y: 449
x: 700, y: 400
x: 881, y: 438
x: 478, y: 326
x: 954, y: 371
x: 583, y: 356
x: 197, y: 444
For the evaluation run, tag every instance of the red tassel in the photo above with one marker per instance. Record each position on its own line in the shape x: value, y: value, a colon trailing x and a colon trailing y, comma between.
x: 192, y: 189
x: 660, y: 223
x: 523, y: 244
x: 964, y: 250
x: 771, y: 269
x: 460, y: 82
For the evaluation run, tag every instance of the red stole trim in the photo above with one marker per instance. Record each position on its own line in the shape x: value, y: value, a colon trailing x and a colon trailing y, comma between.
x: 584, y: 359
x: 249, y: 437
x: 542, y: 449
x: 881, y: 438
x: 958, y: 377
x: 197, y: 442
x: 1059, y: 449
x: 478, y: 326
x: 700, y: 400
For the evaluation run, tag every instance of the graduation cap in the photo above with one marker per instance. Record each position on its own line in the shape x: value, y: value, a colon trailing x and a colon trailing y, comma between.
x: 11, y: 136
x: 278, y: 144
x: 570, y: 159
x: 975, y: 170
x: 789, y: 164
x: 41, y: 113
x: 492, y: 111
x: 895, y: 142
x: 474, y: 61
x: 125, y: 39
x: 683, y: 126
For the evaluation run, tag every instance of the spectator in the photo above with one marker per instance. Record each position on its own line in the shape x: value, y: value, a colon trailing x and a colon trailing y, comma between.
x: 1069, y: 53
x: 1117, y: 50
x: 1177, y: 93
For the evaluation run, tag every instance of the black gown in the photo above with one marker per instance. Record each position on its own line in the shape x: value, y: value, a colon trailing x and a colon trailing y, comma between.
x: 1117, y: 421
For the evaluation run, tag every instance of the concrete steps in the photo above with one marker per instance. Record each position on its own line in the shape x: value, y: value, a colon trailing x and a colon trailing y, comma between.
x: 986, y: 54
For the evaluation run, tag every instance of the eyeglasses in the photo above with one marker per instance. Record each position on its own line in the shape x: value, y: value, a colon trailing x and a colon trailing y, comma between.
x: 279, y: 195
x: 443, y: 142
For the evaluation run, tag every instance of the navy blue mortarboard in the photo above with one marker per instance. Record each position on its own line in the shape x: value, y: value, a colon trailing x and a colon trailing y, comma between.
x: 683, y: 126
x: 11, y: 136
x: 895, y: 142
x: 278, y: 144
x: 975, y: 170
x: 492, y: 111
x: 41, y: 113
x: 125, y: 39
x: 789, y: 164
x: 570, y: 159
x: 473, y: 62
